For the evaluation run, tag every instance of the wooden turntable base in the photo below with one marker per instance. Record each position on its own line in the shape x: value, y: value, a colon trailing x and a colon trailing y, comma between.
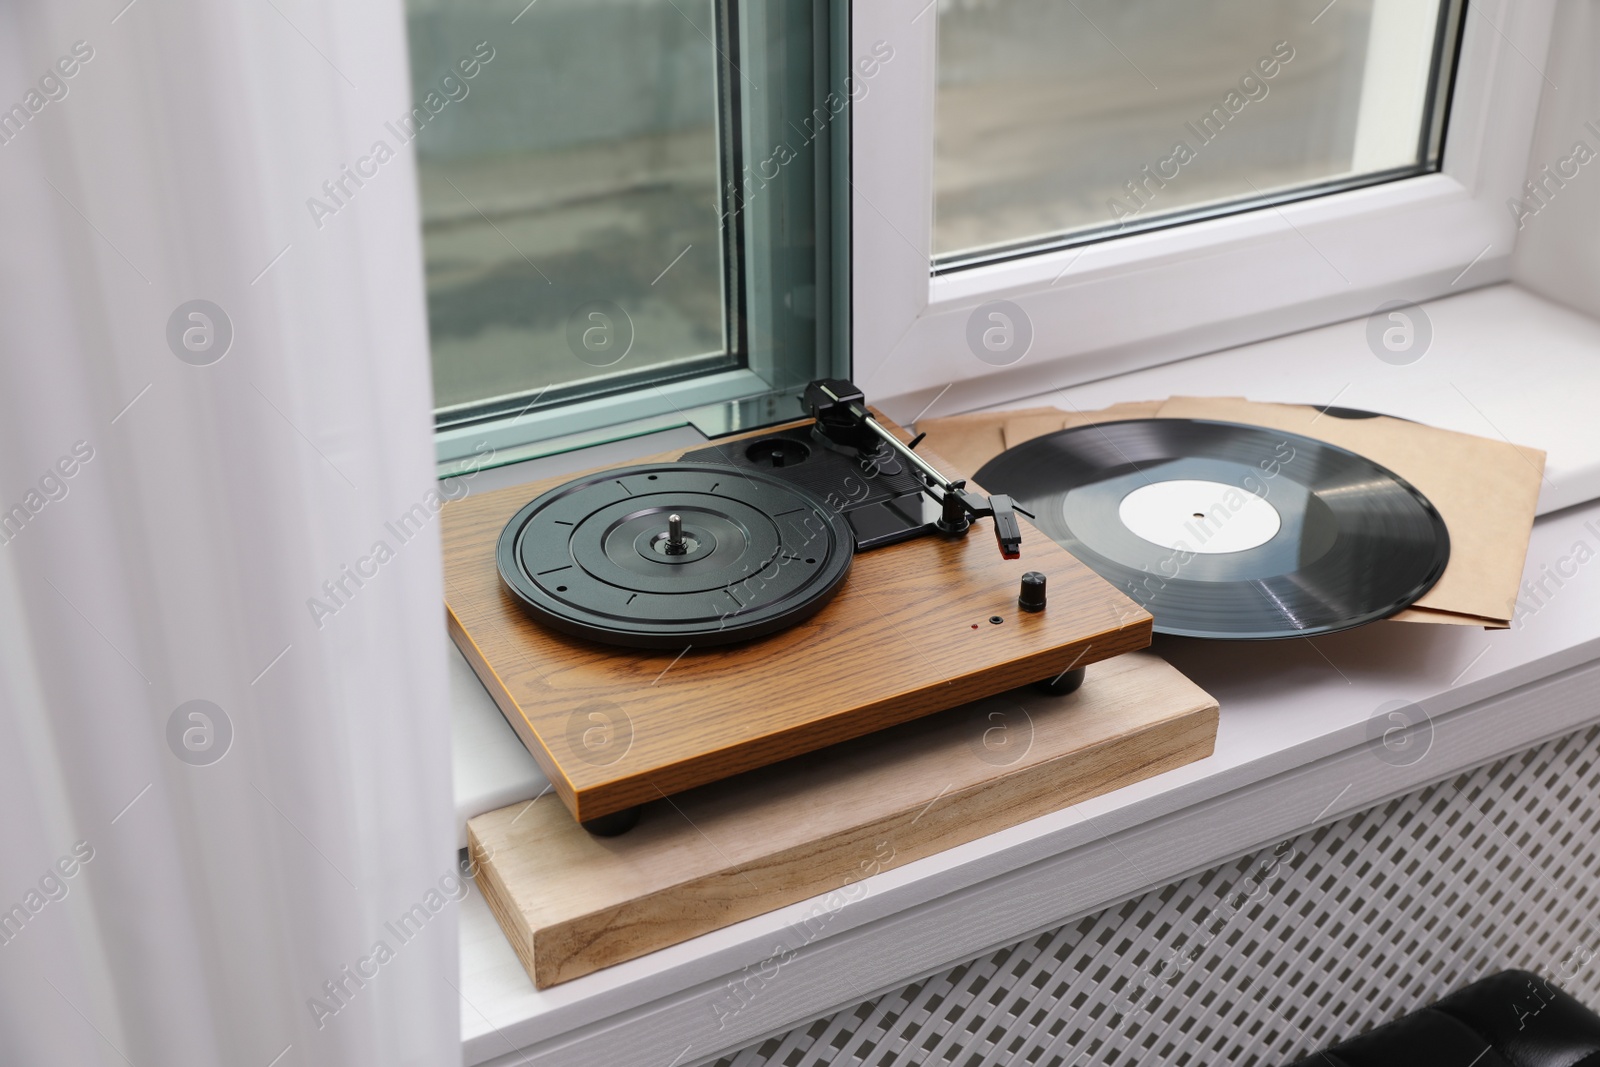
x: 571, y: 903
x: 916, y: 628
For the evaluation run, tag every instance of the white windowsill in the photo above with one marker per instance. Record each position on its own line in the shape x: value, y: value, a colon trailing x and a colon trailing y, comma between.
x: 1292, y: 748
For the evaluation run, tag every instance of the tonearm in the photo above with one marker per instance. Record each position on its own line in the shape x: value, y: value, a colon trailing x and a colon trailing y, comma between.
x: 842, y: 416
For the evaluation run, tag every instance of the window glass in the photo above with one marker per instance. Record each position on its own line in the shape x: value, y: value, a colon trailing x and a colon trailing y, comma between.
x: 1060, y: 121
x: 570, y: 171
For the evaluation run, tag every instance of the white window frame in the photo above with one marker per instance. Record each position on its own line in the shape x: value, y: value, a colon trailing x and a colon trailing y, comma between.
x: 1163, y: 295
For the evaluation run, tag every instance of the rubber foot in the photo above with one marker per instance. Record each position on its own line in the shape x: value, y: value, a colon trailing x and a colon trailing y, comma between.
x: 618, y: 822
x: 1062, y: 684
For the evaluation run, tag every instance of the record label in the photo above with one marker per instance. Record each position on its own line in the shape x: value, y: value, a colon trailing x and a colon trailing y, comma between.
x: 1224, y: 530
x: 1174, y: 513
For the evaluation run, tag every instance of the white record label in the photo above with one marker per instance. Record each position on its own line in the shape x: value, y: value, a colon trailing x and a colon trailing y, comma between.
x: 1199, y: 516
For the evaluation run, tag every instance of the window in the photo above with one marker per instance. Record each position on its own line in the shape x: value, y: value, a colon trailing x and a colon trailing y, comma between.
x: 1376, y: 164
x: 1061, y: 122
x: 566, y: 190
x: 627, y: 214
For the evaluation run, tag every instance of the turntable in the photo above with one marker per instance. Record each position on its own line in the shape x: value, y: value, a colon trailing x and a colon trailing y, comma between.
x: 666, y: 624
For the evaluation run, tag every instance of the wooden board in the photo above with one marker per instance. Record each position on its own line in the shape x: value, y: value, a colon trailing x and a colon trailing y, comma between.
x: 908, y: 634
x: 571, y: 903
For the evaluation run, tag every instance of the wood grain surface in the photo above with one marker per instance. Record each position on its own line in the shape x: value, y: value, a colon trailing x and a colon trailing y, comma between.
x: 908, y: 634
x: 571, y: 903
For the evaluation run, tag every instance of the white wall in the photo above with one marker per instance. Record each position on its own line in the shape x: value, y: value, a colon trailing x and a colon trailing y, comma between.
x: 1558, y: 245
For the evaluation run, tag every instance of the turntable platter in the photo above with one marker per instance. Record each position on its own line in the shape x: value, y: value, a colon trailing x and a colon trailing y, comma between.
x: 673, y: 554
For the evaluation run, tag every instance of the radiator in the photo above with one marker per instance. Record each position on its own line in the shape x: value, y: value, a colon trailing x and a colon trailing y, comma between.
x: 1276, y: 954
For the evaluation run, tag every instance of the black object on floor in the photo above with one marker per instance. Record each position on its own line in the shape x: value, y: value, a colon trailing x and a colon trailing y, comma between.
x: 1510, y: 1019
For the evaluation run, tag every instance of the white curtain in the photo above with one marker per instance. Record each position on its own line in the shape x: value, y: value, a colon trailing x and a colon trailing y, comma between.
x: 225, y: 818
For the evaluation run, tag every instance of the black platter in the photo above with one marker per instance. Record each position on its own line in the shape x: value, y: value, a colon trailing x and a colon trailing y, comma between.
x: 596, y: 558
x: 1348, y: 542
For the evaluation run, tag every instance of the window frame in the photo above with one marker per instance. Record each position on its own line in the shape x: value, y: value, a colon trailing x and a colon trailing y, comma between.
x: 1166, y: 294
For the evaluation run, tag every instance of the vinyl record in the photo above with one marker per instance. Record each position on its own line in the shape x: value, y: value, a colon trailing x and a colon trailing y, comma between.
x: 594, y: 557
x: 1229, y: 531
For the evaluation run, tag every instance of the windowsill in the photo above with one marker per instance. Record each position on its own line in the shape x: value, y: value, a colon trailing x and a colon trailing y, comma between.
x: 1292, y: 748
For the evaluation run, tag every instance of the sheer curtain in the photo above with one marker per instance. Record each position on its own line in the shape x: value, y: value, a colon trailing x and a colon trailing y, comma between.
x: 225, y: 829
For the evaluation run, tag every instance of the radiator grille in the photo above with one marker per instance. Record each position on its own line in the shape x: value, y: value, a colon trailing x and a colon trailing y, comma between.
x: 1277, y: 954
